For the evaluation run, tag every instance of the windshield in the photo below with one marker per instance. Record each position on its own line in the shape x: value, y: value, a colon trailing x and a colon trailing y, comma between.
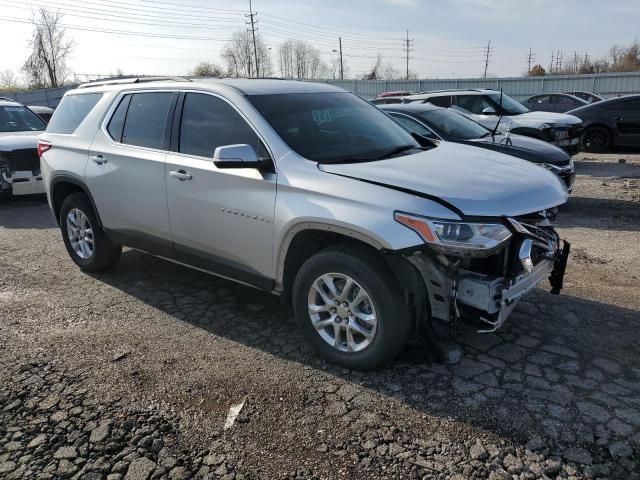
x: 19, y: 119
x: 454, y: 124
x: 332, y: 127
x: 509, y: 105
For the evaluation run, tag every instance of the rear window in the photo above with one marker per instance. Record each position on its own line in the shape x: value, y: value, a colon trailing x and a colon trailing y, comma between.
x: 73, y: 109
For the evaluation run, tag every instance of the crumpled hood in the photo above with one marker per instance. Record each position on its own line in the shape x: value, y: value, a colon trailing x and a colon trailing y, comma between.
x: 18, y: 140
x: 475, y: 181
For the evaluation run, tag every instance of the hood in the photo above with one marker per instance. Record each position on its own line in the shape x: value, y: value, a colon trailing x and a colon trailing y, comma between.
x: 18, y: 140
x: 530, y: 119
x: 475, y: 181
x: 527, y: 148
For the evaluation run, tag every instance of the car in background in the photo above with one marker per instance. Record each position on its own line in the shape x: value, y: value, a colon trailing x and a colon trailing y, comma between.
x: 396, y: 93
x: 19, y: 162
x: 491, y: 108
x: 590, y: 97
x: 44, y: 113
x: 614, y: 122
x: 449, y: 125
x: 553, y: 102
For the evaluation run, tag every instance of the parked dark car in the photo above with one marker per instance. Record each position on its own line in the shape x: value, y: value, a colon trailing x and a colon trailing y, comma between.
x: 449, y: 125
x: 590, y: 97
x: 553, y: 102
x: 614, y: 122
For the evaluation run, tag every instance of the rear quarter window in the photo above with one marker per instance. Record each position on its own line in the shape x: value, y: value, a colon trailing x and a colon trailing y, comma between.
x: 73, y: 109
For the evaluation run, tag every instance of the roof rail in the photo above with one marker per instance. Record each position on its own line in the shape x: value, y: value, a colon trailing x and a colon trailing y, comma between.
x: 127, y: 80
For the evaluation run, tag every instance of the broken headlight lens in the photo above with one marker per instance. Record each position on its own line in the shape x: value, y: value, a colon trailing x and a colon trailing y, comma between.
x: 458, y: 235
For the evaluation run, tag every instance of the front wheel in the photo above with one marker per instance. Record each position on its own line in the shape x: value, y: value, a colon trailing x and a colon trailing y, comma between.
x: 350, y: 308
x: 596, y: 139
x: 87, y: 244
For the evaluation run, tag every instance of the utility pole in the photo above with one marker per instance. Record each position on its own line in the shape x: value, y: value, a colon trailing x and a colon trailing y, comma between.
x: 486, y: 59
x: 531, y: 58
x: 558, y: 61
x: 575, y: 61
x: 551, y: 64
x: 341, y: 66
x: 252, y: 21
x: 407, y: 49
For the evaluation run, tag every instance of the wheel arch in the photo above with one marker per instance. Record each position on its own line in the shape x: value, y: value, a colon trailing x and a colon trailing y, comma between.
x: 64, y: 185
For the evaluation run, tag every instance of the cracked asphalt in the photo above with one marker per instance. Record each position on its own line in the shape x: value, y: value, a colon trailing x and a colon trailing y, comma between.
x: 130, y: 374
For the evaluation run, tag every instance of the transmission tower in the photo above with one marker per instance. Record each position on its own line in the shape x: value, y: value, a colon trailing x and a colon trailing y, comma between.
x: 252, y: 21
x: 488, y: 52
x: 531, y: 58
x: 407, y: 48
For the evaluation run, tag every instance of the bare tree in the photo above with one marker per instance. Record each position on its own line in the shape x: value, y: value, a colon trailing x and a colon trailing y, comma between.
x: 9, y: 80
x: 299, y: 60
x: 374, y: 72
x: 239, y: 56
x: 334, y: 69
x: 389, y: 73
x: 207, y: 69
x: 50, y: 50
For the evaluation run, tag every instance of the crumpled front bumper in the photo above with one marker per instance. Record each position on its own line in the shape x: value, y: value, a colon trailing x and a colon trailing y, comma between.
x: 453, y: 292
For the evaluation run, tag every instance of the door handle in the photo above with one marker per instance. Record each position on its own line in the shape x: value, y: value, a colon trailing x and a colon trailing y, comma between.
x: 99, y: 159
x: 180, y: 175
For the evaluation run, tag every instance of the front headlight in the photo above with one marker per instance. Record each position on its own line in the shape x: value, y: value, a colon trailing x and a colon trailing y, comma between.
x: 455, y: 235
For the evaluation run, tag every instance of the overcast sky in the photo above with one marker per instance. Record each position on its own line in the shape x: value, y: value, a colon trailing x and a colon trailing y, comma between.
x: 169, y: 37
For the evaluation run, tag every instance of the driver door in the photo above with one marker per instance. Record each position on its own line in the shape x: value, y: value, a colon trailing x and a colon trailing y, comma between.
x: 221, y: 219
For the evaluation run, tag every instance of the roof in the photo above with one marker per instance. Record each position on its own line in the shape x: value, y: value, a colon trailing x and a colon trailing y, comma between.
x: 5, y: 102
x: 606, y: 101
x: 247, y: 86
x: 410, y: 107
x: 458, y: 91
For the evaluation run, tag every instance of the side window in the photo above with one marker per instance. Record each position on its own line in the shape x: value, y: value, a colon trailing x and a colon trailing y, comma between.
x: 472, y: 103
x: 542, y: 99
x: 413, y: 126
x: 116, y: 124
x: 440, y: 101
x: 146, y: 118
x: 209, y: 122
x: 72, y: 110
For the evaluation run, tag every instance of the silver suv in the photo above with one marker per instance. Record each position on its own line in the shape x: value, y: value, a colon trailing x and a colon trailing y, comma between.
x: 306, y: 191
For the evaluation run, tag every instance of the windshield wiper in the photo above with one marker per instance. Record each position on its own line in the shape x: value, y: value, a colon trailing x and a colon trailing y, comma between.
x: 400, y: 149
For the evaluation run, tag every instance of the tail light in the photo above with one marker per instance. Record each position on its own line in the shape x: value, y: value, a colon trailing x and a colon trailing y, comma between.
x: 43, y: 147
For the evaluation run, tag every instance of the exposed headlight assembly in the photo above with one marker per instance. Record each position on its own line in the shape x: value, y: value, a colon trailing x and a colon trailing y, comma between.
x: 452, y: 235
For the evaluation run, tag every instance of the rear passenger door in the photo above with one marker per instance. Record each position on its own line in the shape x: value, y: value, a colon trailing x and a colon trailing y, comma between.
x: 627, y: 117
x: 126, y: 171
x: 221, y: 219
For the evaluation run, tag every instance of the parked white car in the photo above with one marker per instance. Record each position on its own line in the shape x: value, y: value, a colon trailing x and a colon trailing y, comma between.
x: 489, y: 107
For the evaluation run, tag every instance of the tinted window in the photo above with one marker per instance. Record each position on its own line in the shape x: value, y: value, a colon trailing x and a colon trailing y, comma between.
x: 412, y: 125
x: 116, y: 123
x: 540, y: 100
x: 440, y: 101
x: 146, y: 119
x: 455, y: 124
x: 630, y: 106
x: 19, y: 119
x: 72, y: 110
x: 332, y: 127
x: 209, y: 122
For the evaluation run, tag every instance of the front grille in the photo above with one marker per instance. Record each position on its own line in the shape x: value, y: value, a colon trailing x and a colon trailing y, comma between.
x: 25, y: 159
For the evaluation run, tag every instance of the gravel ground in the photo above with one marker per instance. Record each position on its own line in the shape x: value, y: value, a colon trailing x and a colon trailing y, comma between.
x: 131, y: 374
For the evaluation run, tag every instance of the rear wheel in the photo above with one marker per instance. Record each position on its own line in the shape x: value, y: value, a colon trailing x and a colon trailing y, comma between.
x: 87, y: 244
x: 351, y: 308
x: 596, y: 139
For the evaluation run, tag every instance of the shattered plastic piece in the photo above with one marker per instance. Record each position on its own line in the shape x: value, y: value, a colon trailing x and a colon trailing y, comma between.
x: 234, y: 411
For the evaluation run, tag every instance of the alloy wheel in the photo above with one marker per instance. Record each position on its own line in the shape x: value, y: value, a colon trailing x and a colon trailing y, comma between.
x: 80, y: 233
x: 342, y: 312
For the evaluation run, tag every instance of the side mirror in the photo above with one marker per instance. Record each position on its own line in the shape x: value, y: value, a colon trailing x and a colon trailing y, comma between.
x: 489, y: 111
x: 236, y: 156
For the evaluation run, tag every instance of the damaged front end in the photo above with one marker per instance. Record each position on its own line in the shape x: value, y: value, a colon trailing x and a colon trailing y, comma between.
x: 20, y: 172
x: 476, y: 272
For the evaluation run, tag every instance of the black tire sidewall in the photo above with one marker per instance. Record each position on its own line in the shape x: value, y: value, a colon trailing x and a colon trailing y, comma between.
x: 392, y: 321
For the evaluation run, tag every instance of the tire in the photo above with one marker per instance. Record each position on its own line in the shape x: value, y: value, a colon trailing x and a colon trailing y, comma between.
x: 596, y: 139
x: 89, y: 248
x: 371, y: 278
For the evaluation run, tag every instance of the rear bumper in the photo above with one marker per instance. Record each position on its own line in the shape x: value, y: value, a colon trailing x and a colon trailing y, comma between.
x: 23, y: 183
